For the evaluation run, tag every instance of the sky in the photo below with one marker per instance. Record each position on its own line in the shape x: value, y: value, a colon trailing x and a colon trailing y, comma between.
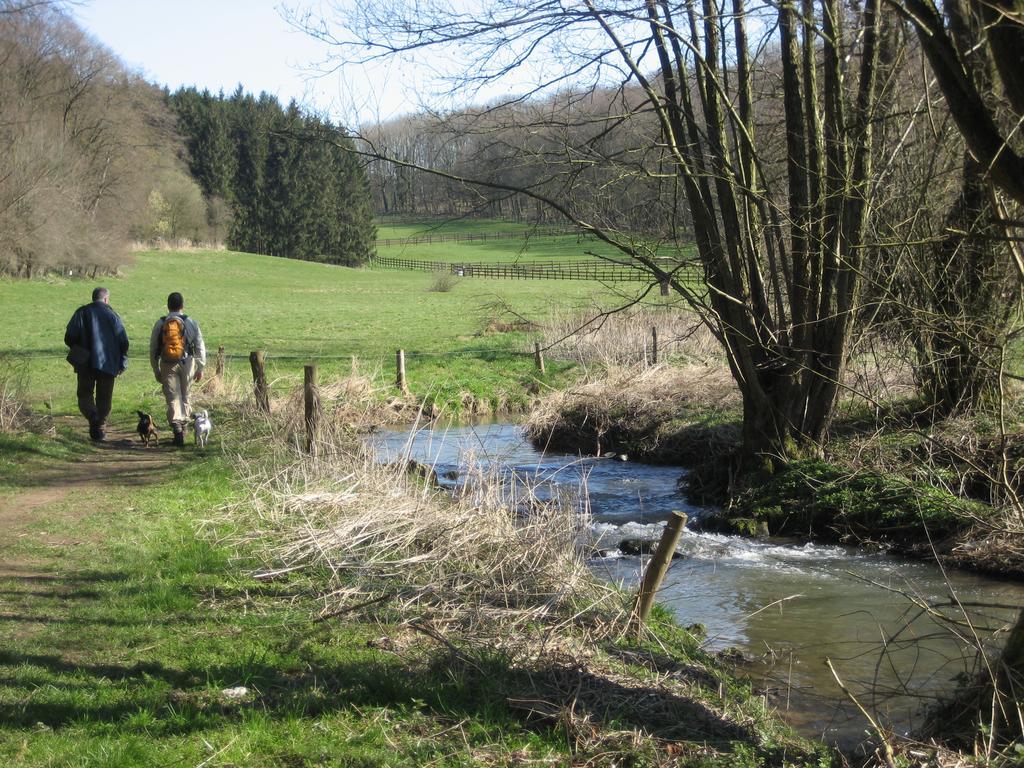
x: 217, y: 44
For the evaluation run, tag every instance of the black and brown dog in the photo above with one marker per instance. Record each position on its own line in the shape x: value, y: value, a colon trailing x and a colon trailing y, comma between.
x: 147, y: 430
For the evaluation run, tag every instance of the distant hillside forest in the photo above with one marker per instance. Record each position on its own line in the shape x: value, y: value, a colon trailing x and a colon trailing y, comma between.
x: 94, y: 158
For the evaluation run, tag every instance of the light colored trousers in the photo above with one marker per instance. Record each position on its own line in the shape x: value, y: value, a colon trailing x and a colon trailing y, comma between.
x: 176, y: 379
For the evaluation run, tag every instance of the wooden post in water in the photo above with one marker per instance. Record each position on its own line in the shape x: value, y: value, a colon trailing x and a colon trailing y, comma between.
x: 220, y: 363
x: 259, y: 380
x: 658, y: 567
x: 312, y: 403
x: 538, y: 357
x: 400, y: 381
x: 654, y: 345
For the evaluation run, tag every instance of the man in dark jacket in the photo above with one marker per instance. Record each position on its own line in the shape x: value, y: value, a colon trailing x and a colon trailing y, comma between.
x: 99, y: 353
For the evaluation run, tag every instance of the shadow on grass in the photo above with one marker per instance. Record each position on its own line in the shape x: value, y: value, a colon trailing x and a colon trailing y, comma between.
x: 14, y: 447
x: 31, y: 599
x: 906, y: 414
x: 118, y: 462
x: 30, y: 574
x: 167, y: 678
x: 188, y: 698
x: 660, y: 663
x: 557, y: 692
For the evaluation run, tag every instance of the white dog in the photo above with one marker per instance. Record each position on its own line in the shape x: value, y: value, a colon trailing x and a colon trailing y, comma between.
x: 202, y: 425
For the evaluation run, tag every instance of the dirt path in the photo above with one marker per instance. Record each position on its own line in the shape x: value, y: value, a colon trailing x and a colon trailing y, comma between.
x: 50, y: 493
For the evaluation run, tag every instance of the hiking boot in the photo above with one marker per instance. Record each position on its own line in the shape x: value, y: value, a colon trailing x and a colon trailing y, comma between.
x: 96, y: 432
x: 179, y: 439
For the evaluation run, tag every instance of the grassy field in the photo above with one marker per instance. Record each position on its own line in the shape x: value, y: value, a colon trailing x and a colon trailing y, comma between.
x: 130, y: 616
x: 527, y: 249
x: 406, y: 226
x: 297, y: 312
x: 532, y: 246
x: 131, y: 622
x: 124, y: 622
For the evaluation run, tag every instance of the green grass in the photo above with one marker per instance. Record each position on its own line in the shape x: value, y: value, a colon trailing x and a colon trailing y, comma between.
x: 21, y: 455
x: 297, y: 312
x: 129, y: 612
x: 116, y: 647
x: 534, y: 245
x: 816, y: 499
x: 411, y: 226
x: 506, y: 250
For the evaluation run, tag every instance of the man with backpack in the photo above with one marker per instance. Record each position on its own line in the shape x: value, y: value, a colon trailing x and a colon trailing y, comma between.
x: 98, y: 351
x: 178, y: 356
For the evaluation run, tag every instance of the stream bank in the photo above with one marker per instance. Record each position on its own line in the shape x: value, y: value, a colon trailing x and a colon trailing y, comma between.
x: 873, y: 490
x: 781, y: 605
x: 181, y: 624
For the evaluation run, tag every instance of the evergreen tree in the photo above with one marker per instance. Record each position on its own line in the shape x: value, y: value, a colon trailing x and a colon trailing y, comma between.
x: 211, y: 157
x: 291, y: 180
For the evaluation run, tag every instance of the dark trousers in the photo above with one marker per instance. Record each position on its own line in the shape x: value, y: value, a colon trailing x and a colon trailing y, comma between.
x: 95, y: 394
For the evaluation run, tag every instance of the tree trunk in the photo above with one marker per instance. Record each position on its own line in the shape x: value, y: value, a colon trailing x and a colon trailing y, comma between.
x: 966, y: 310
x: 1009, y: 725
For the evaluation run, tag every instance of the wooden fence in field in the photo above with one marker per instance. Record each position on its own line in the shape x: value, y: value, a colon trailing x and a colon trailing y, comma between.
x: 590, y: 269
x: 474, y: 237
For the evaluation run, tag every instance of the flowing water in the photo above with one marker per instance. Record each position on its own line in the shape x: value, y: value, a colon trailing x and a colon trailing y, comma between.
x: 786, y: 607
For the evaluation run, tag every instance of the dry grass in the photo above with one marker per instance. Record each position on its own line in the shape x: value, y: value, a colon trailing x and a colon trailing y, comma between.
x: 217, y: 390
x: 487, y: 562
x: 347, y: 406
x: 490, y: 575
x: 878, y: 374
x: 443, y: 282
x: 661, y: 389
x: 180, y: 244
x: 660, y: 413
x: 492, y: 569
x: 14, y: 412
x: 625, y: 338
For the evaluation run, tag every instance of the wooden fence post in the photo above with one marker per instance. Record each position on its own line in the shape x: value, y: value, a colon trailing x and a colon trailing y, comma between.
x: 259, y: 380
x: 312, y: 403
x: 654, y: 345
x: 538, y: 357
x: 665, y: 287
x: 220, y: 363
x: 658, y: 567
x: 400, y: 381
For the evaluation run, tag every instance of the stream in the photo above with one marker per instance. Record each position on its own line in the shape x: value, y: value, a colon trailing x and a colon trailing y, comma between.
x: 785, y: 606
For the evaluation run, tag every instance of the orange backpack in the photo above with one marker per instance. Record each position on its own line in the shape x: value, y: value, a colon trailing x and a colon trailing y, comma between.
x: 173, y: 344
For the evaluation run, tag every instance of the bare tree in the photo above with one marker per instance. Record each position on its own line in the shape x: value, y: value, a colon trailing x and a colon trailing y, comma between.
x: 779, y: 236
x: 81, y: 139
x: 954, y: 39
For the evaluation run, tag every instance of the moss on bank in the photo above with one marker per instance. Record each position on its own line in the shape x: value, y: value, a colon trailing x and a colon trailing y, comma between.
x: 816, y: 499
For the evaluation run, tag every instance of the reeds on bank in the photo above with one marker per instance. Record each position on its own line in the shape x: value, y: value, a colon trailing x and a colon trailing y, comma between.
x: 493, y: 578
x: 484, y: 562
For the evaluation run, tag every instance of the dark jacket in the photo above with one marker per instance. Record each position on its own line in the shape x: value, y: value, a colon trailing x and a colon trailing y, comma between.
x: 99, y: 329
